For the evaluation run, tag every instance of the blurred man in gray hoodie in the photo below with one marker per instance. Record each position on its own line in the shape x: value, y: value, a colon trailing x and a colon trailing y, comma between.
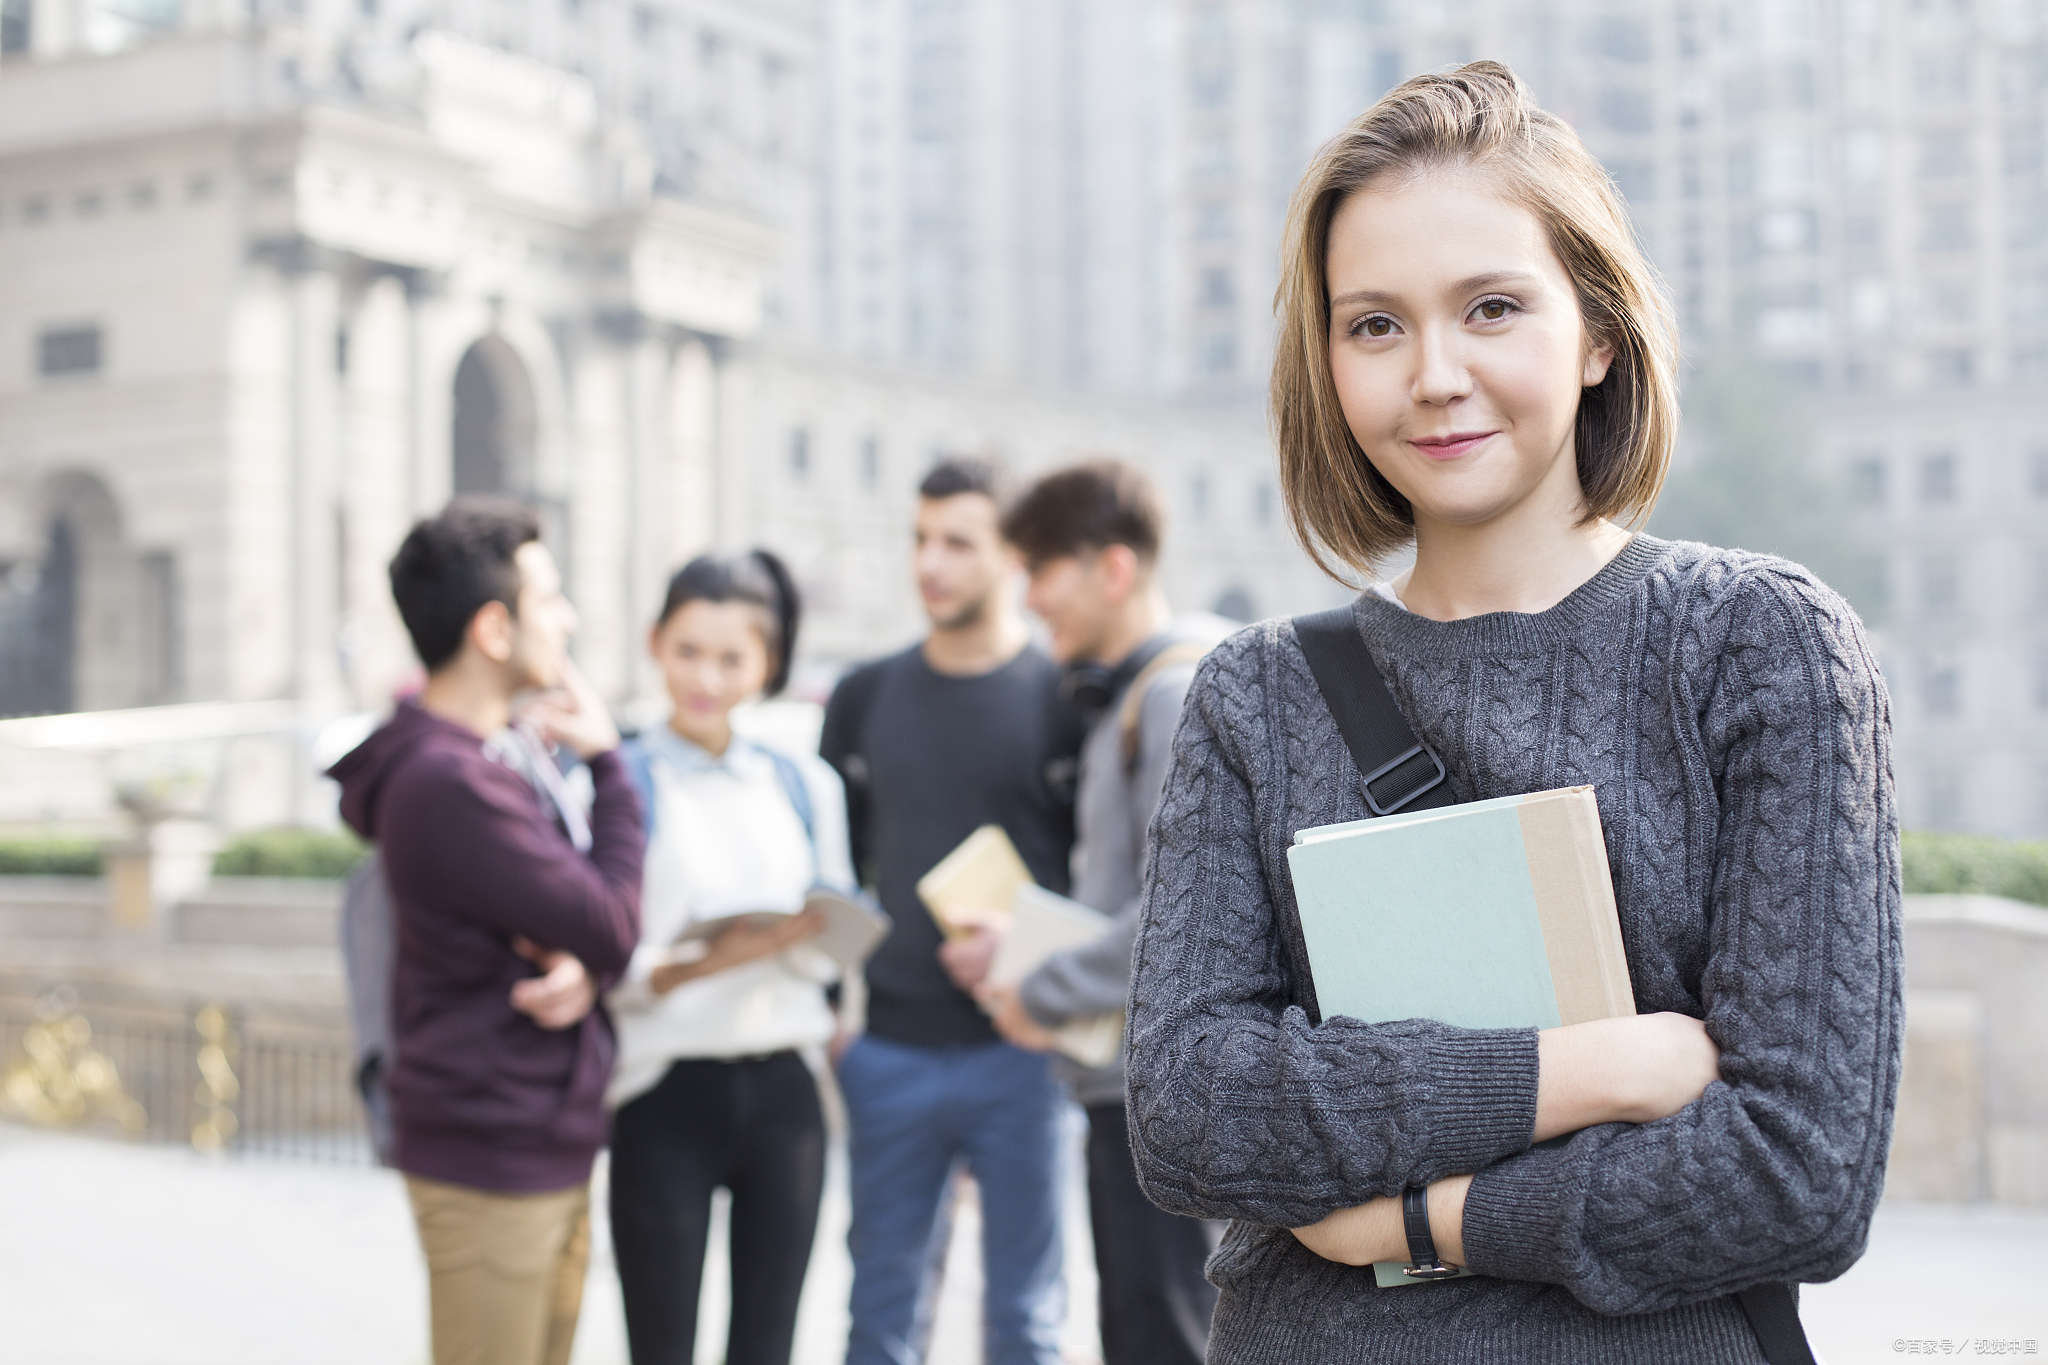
x: 1090, y: 538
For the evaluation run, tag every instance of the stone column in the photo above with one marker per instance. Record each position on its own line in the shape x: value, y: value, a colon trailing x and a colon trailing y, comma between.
x: 315, y: 482
x: 691, y: 512
x: 647, y: 363
x: 55, y: 27
x: 433, y: 400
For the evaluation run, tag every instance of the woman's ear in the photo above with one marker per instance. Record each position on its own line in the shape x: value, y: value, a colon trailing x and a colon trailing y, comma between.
x: 1598, y: 358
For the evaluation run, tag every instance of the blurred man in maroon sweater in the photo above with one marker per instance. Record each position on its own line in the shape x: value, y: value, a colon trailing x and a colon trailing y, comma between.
x: 514, y: 911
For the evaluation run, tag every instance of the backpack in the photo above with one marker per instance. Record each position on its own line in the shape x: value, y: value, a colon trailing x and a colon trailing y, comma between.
x: 640, y: 768
x: 368, y: 953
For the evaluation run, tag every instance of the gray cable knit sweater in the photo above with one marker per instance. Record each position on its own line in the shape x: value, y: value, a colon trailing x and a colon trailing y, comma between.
x: 1727, y: 709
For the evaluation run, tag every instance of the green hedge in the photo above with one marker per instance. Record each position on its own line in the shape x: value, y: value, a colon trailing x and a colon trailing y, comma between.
x: 1962, y: 863
x: 289, y: 851
x: 50, y: 858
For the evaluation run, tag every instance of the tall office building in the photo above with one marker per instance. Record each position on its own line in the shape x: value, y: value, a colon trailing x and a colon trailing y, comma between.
x: 1039, y: 228
x: 1854, y: 192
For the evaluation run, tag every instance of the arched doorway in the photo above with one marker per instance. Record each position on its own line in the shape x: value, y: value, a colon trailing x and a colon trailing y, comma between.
x: 494, y: 421
x: 89, y: 624
x: 38, y: 627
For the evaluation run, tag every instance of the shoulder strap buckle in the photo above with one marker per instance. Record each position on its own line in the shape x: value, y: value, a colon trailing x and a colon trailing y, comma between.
x: 1395, y: 768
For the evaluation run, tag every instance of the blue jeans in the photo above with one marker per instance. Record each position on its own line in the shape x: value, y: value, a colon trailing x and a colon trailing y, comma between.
x: 914, y: 1114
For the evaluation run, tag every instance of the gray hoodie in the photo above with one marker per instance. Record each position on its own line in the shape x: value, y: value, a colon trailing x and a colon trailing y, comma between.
x: 1112, y: 808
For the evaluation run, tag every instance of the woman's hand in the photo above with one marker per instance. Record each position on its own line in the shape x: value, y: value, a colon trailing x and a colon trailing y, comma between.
x: 742, y: 943
x: 1374, y: 1231
x: 1634, y: 1069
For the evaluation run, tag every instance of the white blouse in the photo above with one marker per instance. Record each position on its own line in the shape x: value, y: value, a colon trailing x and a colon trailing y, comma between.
x: 727, y: 839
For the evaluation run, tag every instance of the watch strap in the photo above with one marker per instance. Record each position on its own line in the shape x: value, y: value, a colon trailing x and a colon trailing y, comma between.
x: 1424, y: 1263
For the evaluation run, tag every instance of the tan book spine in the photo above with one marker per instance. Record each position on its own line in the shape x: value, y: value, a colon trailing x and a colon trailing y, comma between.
x: 1574, y: 887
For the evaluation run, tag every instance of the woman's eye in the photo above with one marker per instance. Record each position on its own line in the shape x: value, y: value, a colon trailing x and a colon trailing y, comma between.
x: 1493, y: 310
x: 1375, y: 326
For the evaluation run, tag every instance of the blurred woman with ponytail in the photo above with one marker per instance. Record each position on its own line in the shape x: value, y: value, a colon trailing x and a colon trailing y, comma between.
x: 712, y: 1087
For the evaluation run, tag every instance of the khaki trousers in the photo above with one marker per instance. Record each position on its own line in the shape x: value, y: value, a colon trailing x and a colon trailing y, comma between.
x: 504, y: 1271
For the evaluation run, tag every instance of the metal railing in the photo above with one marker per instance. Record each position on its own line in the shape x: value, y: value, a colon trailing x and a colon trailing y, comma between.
x: 208, y: 1077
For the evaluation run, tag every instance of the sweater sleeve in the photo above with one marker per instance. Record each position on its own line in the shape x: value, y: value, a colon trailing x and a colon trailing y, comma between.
x: 470, y: 837
x: 1773, y: 1173
x: 1095, y: 978
x: 1240, y: 1108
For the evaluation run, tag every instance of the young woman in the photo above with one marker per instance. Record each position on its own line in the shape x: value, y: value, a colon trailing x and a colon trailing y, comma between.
x: 1474, y: 358
x: 711, y: 1085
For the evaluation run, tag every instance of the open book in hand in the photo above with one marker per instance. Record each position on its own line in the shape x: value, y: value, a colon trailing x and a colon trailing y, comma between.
x: 853, y: 928
x: 1493, y: 914
x: 1043, y: 923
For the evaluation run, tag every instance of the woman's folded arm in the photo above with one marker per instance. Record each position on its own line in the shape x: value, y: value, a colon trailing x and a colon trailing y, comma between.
x: 1241, y: 1108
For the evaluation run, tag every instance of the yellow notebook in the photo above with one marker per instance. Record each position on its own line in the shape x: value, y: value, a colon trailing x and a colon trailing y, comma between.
x: 977, y: 880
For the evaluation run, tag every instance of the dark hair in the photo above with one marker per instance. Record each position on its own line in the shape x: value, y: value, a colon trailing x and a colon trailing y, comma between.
x: 756, y: 578
x: 453, y: 564
x: 957, y: 474
x: 1086, y: 507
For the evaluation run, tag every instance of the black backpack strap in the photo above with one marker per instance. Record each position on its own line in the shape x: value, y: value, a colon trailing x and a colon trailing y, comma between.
x: 1774, y: 1317
x: 1401, y: 772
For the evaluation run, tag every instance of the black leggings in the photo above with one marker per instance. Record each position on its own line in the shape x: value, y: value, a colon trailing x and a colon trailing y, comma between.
x: 755, y: 1128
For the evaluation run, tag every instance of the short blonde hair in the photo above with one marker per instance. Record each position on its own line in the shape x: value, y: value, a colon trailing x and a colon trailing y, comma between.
x: 1345, y: 513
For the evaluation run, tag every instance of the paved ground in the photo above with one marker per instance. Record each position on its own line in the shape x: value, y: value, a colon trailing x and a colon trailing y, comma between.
x: 119, y: 1255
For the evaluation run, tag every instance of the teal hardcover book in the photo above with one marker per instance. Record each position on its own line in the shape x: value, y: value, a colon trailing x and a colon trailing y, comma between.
x: 1495, y: 914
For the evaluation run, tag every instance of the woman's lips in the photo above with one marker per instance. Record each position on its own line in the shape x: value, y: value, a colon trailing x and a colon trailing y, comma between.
x: 1452, y: 446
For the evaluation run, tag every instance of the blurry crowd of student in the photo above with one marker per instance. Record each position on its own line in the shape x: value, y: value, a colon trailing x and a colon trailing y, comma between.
x: 569, y: 939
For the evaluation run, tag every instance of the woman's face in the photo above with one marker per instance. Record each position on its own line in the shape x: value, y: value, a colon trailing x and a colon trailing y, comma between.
x: 1458, y: 348
x: 713, y: 657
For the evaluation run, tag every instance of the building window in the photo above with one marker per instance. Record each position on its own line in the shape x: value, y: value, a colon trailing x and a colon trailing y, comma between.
x: 1216, y: 353
x: 14, y: 26
x: 2041, y: 682
x: 1945, y: 155
x: 1944, y: 690
x: 2037, y: 471
x: 1216, y: 290
x: 1637, y: 180
x: 1944, y: 798
x: 1948, y: 228
x: 1212, y: 222
x: 1951, y: 369
x: 1262, y: 503
x: 1867, y: 481
x: 1627, y: 110
x: 1235, y: 603
x: 800, y: 454
x: 68, y: 350
x: 1863, y: 157
x: 1942, y: 77
x: 1209, y: 88
x: 1940, y: 584
x: 1198, y: 498
x: 1622, y: 39
x: 1938, y: 477
x: 870, y: 463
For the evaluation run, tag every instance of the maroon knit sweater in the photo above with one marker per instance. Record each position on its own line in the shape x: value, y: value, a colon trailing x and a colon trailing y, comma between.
x: 480, y: 1094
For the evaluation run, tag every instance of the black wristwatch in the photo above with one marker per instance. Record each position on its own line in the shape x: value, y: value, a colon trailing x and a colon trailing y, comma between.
x: 1424, y: 1263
